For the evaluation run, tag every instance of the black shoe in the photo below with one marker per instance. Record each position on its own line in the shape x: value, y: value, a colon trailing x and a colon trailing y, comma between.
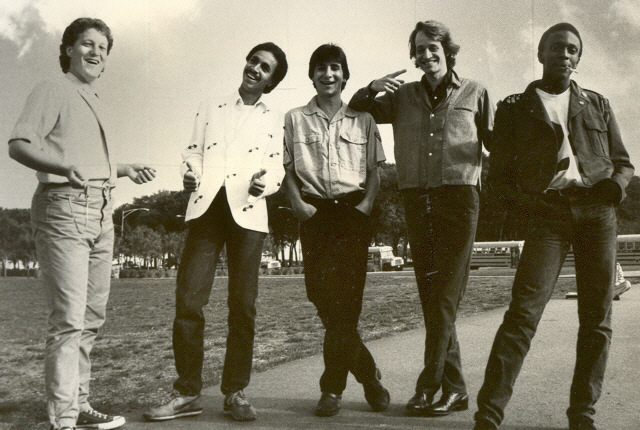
x: 449, y: 402
x: 483, y: 423
x: 420, y: 401
x: 328, y: 405
x: 377, y: 396
x: 581, y: 422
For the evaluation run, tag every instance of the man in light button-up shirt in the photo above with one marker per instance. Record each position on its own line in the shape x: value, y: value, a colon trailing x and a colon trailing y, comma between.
x: 331, y: 157
x: 232, y: 162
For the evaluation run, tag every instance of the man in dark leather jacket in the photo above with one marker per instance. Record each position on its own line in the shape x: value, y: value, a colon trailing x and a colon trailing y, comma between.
x: 557, y: 159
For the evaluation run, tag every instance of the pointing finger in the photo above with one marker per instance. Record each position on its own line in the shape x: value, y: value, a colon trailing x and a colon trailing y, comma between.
x: 398, y: 73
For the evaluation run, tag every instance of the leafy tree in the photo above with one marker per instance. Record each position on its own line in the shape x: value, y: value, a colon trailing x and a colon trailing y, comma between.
x: 144, y: 242
x: 172, y: 245
x: 629, y: 209
x: 388, y: 219
x: 283, y: 224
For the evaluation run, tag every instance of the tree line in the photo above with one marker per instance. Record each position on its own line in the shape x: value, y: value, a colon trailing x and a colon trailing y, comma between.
x: 153, y: 235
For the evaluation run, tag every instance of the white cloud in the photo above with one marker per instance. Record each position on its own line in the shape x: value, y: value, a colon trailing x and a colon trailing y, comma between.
x: 20, y: 19
x: 628, y: 10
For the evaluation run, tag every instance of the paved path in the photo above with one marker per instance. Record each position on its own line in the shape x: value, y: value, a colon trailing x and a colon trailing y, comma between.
x: 286, y: 395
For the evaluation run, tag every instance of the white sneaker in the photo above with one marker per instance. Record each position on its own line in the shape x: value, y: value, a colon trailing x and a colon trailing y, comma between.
x: 93, y: 419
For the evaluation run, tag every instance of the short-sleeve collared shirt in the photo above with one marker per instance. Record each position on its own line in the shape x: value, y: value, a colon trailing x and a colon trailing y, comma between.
x: 61, y: 118
x: 331, y: 157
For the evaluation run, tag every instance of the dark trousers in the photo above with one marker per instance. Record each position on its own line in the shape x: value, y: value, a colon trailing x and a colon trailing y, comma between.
x: 335, y: 243
x: 206, y: 237
x: 442, y: 225
x: 590, y: 227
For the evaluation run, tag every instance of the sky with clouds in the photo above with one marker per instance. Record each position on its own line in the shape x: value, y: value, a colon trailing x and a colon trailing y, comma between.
x: 169, y: 55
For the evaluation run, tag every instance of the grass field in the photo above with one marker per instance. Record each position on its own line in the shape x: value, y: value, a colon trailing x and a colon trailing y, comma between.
x: 133, y: 358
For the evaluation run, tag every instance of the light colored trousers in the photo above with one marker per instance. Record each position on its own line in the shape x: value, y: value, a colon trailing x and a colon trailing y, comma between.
x: 73, y: 231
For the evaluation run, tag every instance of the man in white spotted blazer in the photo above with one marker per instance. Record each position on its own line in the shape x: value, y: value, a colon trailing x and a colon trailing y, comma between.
x: 232, y: 162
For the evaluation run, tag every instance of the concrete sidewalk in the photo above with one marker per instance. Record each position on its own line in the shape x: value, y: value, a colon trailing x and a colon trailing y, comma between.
x: 286, y: 395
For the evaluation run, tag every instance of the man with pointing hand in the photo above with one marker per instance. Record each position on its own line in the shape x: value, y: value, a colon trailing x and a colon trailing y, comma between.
x: 233, y: 161
x: 439, y: 127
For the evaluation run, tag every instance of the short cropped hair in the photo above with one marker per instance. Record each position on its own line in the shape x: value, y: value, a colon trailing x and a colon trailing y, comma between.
x: 439, y: 32
x: 73, y: 32
x: 281, y: 59
x: 329, y: 52
x: 562, y: 26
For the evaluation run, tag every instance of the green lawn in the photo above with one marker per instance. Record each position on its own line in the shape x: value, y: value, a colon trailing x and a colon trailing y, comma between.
x: 133, y: 357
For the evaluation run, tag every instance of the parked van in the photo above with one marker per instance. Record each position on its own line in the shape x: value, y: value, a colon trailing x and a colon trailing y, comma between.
x: 382, y: 258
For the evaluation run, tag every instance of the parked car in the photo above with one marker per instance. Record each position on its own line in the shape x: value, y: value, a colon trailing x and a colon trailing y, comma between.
x: 382, y: 258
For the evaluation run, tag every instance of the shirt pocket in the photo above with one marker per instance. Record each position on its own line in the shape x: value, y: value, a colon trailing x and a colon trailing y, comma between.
x: 308, y: 152
x: 352, y: 151
x: 597, y: 132
x: 462, y: 128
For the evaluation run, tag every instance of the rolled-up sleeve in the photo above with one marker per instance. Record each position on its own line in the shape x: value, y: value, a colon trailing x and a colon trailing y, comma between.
x: 375, y: 152
x: 39, y: 116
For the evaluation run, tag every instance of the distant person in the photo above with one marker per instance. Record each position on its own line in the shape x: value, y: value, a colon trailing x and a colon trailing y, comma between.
x: 621, y: 284
x: 61, y: 135
x: 331, y: 158
x: 439, y: 127
x: 232, y: 162
x: 557, y: 159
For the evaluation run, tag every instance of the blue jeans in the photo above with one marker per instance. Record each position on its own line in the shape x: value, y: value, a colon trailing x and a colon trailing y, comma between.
x: 442, y: 225
x: 207, y: 235
x: 590, y: 227
x: 73, y: 232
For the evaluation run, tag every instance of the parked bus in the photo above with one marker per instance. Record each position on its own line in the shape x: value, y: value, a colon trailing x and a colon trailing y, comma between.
x: 496, y: 254
x: 507, y: 254
x: 628, y: 251
x: 382, y: 258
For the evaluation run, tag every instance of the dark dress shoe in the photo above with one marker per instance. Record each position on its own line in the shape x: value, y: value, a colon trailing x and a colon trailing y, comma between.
x: 449, y: 402
x: 376, y: 395
x: 420, y: 401
x: 582, y: 422
x: 328, y: 405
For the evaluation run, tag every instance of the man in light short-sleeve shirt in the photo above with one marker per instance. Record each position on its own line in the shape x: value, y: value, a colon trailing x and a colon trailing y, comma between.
x: 331, y: 159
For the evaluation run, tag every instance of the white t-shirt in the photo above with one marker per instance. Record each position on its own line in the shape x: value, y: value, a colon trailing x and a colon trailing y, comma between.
x: 567, y: 169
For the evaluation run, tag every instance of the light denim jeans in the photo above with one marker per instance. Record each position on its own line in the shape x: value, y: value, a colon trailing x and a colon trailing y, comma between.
x: 73, y: 231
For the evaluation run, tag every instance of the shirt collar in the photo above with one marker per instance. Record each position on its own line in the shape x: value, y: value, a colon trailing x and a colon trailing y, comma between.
x: 236, y: 99
x: 79, y: 84
x: 312, y: 108
x: 450, y: 79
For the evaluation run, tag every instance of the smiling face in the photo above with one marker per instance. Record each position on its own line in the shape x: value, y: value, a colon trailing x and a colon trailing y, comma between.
x: 430, y: 56
x: 88, y: 55
x: 560, y: 54
x: 328, y: 78
x: 258, y: 72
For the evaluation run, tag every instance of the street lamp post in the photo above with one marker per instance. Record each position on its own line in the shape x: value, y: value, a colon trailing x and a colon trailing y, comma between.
x: 126, y: 214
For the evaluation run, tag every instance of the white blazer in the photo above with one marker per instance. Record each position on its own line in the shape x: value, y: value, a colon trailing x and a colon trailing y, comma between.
x: 219, y: 161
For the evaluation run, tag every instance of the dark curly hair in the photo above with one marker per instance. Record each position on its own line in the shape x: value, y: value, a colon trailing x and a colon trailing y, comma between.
x: 281, y: 58
x: 74, y: 30
x: 439, y: 32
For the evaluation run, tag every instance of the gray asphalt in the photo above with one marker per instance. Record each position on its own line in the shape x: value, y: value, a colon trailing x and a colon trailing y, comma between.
x: 286, y: 395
